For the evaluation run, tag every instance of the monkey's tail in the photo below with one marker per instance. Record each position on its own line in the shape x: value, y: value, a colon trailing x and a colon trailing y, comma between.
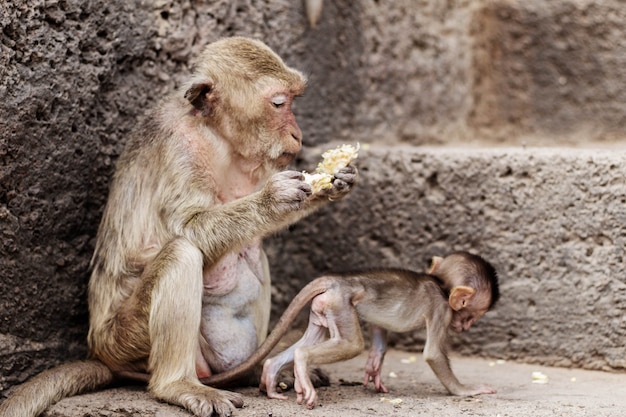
x: 310, y: 291
x: 32, y: 397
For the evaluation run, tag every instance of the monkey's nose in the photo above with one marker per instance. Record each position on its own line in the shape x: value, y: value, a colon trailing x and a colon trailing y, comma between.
x: 296, y: 133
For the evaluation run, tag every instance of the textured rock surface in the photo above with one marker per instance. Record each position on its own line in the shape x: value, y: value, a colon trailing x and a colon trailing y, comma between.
x: 76, y: 75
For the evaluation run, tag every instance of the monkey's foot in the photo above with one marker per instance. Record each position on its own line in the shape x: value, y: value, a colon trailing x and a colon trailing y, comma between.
x: 374, y: 377
x: 318, y: 378
x: 485, y: 389
x: 305, y: 393
x: 269, y: 384
x: 200, y: 400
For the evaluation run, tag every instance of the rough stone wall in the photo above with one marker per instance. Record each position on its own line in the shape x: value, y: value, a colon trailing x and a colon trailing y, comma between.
x: 549, y: 72
x: 76, y: 75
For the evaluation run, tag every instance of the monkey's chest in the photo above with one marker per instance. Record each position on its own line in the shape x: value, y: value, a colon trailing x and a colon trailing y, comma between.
x: 231, y: 291
x: 232, y: 270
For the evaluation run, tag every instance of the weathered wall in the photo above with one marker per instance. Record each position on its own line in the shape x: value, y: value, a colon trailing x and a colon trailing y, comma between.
x: 76, y: 75
x: 549, y: 72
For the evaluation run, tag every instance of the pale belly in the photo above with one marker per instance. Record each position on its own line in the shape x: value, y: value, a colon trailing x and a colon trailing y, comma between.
x: 234, y: 290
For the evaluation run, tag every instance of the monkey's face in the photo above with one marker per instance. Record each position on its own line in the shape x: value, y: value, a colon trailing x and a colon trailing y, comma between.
x: 273, y: 136
x: 260, y: 124
x: 285, y: 134
x: 246, y: 92
x: 463, y: 319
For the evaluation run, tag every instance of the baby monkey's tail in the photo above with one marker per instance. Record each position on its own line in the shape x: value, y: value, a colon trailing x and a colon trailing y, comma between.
x: 310, y: 291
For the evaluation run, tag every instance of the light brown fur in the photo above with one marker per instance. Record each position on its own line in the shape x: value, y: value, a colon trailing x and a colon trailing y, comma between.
x: 180, y: 287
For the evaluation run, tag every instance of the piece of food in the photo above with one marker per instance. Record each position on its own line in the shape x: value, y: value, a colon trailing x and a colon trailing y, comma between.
x: 539, y: 377
x: 333, y: 160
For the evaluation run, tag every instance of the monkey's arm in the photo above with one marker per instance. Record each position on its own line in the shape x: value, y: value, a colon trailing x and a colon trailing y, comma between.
x: 375, y: 358
x: 223, y: 228
x: 436, y: 357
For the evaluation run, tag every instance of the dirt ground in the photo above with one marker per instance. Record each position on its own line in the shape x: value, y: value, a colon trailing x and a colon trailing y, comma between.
x: 414, y: 391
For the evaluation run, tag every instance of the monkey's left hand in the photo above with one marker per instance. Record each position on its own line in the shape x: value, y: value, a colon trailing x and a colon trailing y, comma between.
x: 343, y: 181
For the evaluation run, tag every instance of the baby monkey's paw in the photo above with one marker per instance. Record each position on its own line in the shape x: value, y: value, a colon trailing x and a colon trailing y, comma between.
x: 375, y: 378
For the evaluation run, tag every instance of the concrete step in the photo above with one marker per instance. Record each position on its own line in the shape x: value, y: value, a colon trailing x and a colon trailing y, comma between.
x: 551, y: 220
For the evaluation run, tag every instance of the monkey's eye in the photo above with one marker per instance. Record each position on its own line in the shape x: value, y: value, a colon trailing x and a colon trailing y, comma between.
x: 279, y: 100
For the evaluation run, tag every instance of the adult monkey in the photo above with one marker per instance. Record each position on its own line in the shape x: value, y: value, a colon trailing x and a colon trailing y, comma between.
x: 180, y: 287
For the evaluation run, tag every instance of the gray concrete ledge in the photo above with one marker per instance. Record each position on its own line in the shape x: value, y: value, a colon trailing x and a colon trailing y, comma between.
x: 552, y: 221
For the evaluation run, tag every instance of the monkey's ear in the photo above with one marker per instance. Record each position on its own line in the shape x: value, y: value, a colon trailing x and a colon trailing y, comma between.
x: 460, y: 296
x: 434, y: 264
x: 202, y: 96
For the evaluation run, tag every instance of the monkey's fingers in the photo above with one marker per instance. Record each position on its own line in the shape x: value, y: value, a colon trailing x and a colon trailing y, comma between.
x: 272, y: 394
x: 268, y: 386
x: 376, y: 379
x: 345, y: 178
x: 203, y: 401
x: 476, y: 390
x: 348, y: 174
x: 236, y: 399
x: 289, y: 190
x: 485, y: 389
x: 298, y: 389
x: 378, y: 384
x: 306, y: 394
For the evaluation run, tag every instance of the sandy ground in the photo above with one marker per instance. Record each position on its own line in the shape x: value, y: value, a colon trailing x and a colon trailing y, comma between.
x: 414, y: 391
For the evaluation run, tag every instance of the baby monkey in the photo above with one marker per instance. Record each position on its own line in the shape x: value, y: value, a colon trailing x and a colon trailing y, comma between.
x: 457, y: 291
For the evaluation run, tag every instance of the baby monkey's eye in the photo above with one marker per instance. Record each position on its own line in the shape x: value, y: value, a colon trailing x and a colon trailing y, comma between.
x: 279, y: 100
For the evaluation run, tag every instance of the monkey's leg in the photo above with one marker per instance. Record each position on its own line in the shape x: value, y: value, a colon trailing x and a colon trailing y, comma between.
x: 173, y: 297
x: 345, y: 342
x: 375, y: 358
x: 272, y: 366
x: 438, y: 361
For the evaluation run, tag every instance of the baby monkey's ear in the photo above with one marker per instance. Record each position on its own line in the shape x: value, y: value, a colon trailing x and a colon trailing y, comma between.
x: 434, y: 264
x: 460, y: 297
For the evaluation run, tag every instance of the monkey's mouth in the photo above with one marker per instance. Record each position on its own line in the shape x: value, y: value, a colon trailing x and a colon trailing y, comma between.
x: 456, y: 328
x: 285, y: 158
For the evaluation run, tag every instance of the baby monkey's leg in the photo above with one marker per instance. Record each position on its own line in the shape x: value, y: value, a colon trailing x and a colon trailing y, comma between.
x: 272, y: 366
x: 345, y: 342
x: 375, y: 358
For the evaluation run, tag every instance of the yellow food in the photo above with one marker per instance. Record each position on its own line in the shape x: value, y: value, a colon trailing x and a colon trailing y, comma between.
x: 333, y: 160
x: 318, y: 181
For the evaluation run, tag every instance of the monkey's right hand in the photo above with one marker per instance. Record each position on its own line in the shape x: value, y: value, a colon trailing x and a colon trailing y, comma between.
x: 287, y: 191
